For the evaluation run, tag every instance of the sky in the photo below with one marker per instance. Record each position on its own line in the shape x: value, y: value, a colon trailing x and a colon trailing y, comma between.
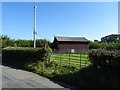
x: 92, y: 20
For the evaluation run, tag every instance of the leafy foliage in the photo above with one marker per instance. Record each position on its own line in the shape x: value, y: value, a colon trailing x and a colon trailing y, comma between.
x: 105, y: 45
x: 15, y: 56
x: 87, y: 77
x: 102, y: 58
x: 6, y: 42
x: 49, y: 69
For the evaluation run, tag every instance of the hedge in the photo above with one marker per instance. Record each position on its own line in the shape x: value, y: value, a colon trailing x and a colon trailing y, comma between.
x: 20, y: 55
x: 102, y: 58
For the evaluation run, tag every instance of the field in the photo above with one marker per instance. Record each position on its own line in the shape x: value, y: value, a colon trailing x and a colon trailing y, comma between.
x: 75, y: 60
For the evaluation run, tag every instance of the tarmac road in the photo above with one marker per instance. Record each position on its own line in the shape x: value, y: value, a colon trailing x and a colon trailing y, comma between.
x: 16, y: 78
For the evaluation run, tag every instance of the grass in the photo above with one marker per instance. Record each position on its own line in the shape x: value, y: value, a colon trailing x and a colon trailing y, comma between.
x: 70, y: 72
x: 49, y: 69
x: 87, y: 77
x: 73, y: 60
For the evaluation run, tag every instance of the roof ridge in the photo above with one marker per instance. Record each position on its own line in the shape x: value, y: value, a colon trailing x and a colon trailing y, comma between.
x: 73, y: 39
x: 69, y: 37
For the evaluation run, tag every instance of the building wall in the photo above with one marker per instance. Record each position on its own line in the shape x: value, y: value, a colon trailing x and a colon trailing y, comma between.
x: 73, y: 47
x: 111, y: 37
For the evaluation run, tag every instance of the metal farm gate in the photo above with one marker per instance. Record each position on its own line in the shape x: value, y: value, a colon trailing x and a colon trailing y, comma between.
x: 78, y: 60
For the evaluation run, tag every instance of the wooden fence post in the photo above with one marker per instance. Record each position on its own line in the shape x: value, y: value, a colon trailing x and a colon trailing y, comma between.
x: 85, y: 62
x: 80, y: 60
x: 69, y: 59
x: 60, y: 59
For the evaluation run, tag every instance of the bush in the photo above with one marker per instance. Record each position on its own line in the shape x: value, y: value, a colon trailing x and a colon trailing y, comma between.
x: 22, y: 55
x: 49, y: 69
x: 102, y: 58
x: 115, y: 45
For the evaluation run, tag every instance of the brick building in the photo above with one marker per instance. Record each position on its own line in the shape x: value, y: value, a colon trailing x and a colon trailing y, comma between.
x: 70, y: 44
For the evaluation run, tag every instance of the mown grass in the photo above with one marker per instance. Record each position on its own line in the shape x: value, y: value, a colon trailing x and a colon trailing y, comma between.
x: 75, y: 60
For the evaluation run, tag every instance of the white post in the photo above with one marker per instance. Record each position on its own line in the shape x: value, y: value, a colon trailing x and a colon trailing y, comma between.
x: 34, y: 32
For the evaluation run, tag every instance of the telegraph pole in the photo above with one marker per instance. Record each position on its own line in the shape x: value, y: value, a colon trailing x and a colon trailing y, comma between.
x: 34, y: 32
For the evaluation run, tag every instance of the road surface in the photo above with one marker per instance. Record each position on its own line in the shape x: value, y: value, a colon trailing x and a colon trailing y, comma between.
x: 16, y: 78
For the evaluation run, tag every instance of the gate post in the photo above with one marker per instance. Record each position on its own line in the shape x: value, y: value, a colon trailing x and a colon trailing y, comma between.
x: 69, y: 59
x: 80, y: 60
x: 60, y: 59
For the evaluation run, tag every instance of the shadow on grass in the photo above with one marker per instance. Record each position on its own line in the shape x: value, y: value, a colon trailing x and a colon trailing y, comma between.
x: 92, y: 78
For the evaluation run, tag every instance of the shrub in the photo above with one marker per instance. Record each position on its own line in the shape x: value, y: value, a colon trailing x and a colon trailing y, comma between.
x: 115, y: 45
x: 20, y: 55
x: 102, y: 58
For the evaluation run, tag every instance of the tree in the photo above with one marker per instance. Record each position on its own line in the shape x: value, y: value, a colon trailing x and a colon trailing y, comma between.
x: 6, y: 41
